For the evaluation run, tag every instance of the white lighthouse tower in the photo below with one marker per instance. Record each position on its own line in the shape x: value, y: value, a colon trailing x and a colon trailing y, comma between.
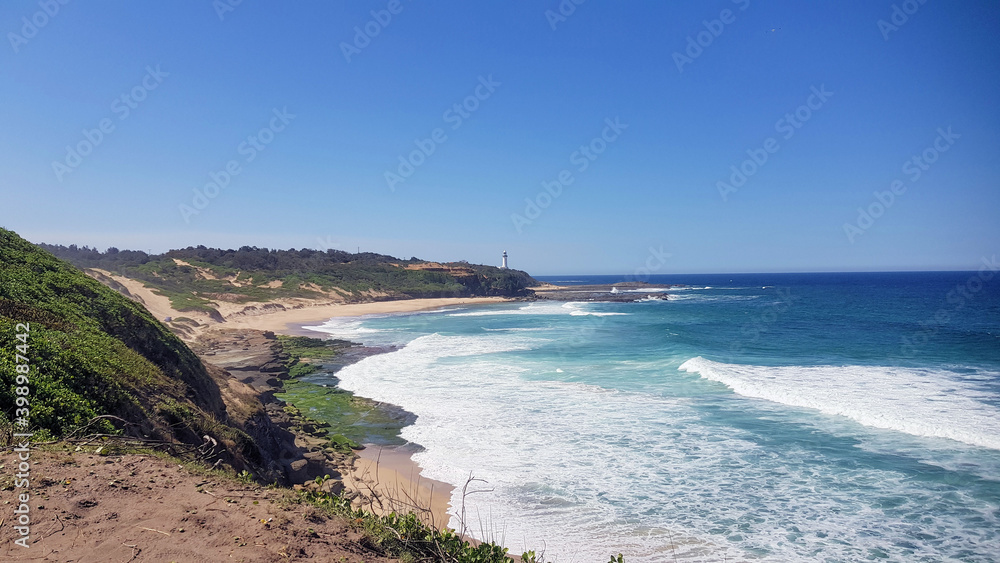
x: 504, y: 266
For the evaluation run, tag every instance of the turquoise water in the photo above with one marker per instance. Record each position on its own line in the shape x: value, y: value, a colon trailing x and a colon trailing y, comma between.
x: 812, y: 417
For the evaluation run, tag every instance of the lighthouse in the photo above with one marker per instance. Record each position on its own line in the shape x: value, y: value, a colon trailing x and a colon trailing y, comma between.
x: 504, y: 265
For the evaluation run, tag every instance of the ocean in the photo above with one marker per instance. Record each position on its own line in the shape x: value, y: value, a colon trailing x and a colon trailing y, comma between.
x: 766, y: 417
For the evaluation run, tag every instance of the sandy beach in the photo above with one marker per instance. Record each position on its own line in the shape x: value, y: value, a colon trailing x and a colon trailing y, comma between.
x: 284, y: 321
x: 386, y: 474
x: 390, y: 475
x: 282, y: 316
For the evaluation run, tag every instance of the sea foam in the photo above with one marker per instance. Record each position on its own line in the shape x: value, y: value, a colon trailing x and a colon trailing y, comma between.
x: 584, y: 471
x: 921, y: 402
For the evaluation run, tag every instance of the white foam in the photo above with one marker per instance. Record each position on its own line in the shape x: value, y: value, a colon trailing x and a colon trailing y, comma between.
x: 543, y: 308
x: 535, y: 444
x: 595, y: 314
x: 915, y: 401
x: 353, y: 329
x: 579, y: 309
x: 573, y: 308
x: 587, y: 471
x: 651, y: 290
x: 710, y: 298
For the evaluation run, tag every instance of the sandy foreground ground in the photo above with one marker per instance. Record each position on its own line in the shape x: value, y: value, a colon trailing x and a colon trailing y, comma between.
x: 139, y: 508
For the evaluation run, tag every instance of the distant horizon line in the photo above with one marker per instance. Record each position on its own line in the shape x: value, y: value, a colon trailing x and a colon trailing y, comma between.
x: 759, y: 273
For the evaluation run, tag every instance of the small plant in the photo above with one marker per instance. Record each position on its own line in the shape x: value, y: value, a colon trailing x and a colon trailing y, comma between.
x: 618, y: 559
x: 245, y: 477
x: 405, y: 536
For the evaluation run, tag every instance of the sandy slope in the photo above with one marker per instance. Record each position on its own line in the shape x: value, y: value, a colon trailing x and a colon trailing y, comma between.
x: 391, y: 475
x: 278, y: 314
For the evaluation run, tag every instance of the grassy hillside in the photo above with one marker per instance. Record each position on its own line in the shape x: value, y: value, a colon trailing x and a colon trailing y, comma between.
x: 93, y: 352
x: 196, y: 277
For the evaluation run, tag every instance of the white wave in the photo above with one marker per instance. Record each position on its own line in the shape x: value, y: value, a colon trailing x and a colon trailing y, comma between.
x: 442, y: 310
x: 355, y: 329
x: 576, y: 309
x: 650, y: 290
x: 581, y: 309
x: 711, y: 298
x: 586, y: 471
x: 920, y: 402
x: 475, y: 413
x: 544, y: 308
x: 595, y: 314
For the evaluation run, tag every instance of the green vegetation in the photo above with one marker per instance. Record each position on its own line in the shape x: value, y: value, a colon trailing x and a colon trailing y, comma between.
x: 302, y: 350
x: 196, y: 277
x: 352, y: 420
x: 348, y: 420
x: 405, y: 536
x: 94, y: 352
x: 409, y: 539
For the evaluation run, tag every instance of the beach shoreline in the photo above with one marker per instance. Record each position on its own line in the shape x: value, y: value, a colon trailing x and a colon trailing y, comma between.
x: 281, y: 316
x: 388, y: 473
x: 380, y: 478
x: 291, y: 321
x: 391, y: 476
x: 387, y: 478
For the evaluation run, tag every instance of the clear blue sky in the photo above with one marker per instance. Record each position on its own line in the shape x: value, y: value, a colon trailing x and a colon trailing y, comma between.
x: 321, y: 178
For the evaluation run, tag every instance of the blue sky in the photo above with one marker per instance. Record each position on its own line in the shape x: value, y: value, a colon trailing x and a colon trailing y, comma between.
x: 198, y: 85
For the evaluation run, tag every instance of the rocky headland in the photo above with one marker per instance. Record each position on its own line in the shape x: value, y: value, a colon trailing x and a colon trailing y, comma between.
x: 625, y: 292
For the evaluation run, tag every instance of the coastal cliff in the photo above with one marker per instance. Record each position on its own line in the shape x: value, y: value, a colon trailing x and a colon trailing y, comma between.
x: 221, y: 282
x: 115, y: 390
